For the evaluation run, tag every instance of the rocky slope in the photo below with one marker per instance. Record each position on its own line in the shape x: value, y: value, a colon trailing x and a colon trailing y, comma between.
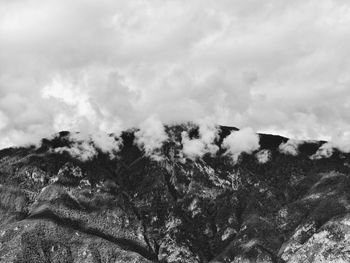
x: 55, y: 208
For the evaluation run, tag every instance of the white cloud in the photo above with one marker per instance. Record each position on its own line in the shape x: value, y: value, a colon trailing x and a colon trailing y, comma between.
x: 197, y: 147
x: 82, y: 150
x: 290, y: 147
x: 242, y: 141
x: 192, y: 148
x: 325, y: 151
x: 341, y: 142
x: 151, y: 136
x: 84, y: 146
x: 107, y: 143
x: 3, y: 120
x: 108, y: 65
x: 263, y: 156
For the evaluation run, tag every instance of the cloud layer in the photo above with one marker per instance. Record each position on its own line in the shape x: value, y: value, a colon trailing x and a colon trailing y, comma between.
x: 151, y: 136
x: 242, y: 141
x: 290, y: 147
x: 103, y: 66
x: 197, y: 147
x: 86, y: 146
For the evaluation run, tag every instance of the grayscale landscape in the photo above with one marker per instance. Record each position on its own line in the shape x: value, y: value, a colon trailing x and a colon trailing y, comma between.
x: 174, y: 131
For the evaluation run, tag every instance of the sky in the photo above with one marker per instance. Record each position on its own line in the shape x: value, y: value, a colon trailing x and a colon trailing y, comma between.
x: 274, y: 66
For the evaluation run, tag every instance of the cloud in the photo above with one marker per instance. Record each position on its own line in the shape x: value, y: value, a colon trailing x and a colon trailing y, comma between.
x: 151, y: 136
x: 197, y: 147
x: 192, y: 149
x: 85, y: 147
x: 107, y: 143
x: 242, y: 141
x: 3, y: 120
x: 325, y: 151
x: 263, y: 156
x: 341, y: 142
x: 82, y: 150
x: 277, y: 66
x: 290, y: 147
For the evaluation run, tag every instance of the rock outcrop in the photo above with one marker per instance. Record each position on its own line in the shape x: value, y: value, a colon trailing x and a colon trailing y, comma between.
x: 55, y: 208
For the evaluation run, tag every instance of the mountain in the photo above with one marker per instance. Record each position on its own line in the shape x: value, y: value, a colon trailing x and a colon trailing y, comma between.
x: 132, y: 208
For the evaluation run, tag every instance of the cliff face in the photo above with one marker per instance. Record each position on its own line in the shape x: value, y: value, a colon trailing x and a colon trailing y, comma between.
x: 54, y: 208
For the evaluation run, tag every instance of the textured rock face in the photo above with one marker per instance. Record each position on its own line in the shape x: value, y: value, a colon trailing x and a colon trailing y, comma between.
x: 54, y: 208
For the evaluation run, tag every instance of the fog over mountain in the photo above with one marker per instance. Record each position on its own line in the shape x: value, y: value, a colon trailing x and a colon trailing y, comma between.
x: 105, y: 66
x: 174, y: 131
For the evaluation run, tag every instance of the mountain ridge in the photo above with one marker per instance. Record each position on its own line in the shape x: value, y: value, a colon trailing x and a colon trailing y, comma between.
x: 57, y: 208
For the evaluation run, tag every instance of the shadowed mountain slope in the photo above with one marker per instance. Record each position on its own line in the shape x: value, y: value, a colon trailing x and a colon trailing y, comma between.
x: 55, y: 208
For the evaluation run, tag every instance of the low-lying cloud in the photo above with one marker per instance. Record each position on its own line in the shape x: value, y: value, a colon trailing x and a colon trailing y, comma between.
x: 86, y: 146
x: 263, y: 156
x: 290, y: 147
x: 150, y: 137
x: 205, y: 143
x: 326, y: 150
x: 245, y: 140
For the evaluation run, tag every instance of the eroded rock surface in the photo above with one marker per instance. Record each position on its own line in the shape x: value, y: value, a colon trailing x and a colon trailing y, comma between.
x: 54, y: 208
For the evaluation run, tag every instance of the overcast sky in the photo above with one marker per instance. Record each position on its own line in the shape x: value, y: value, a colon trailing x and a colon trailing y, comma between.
x: 276, y: 66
